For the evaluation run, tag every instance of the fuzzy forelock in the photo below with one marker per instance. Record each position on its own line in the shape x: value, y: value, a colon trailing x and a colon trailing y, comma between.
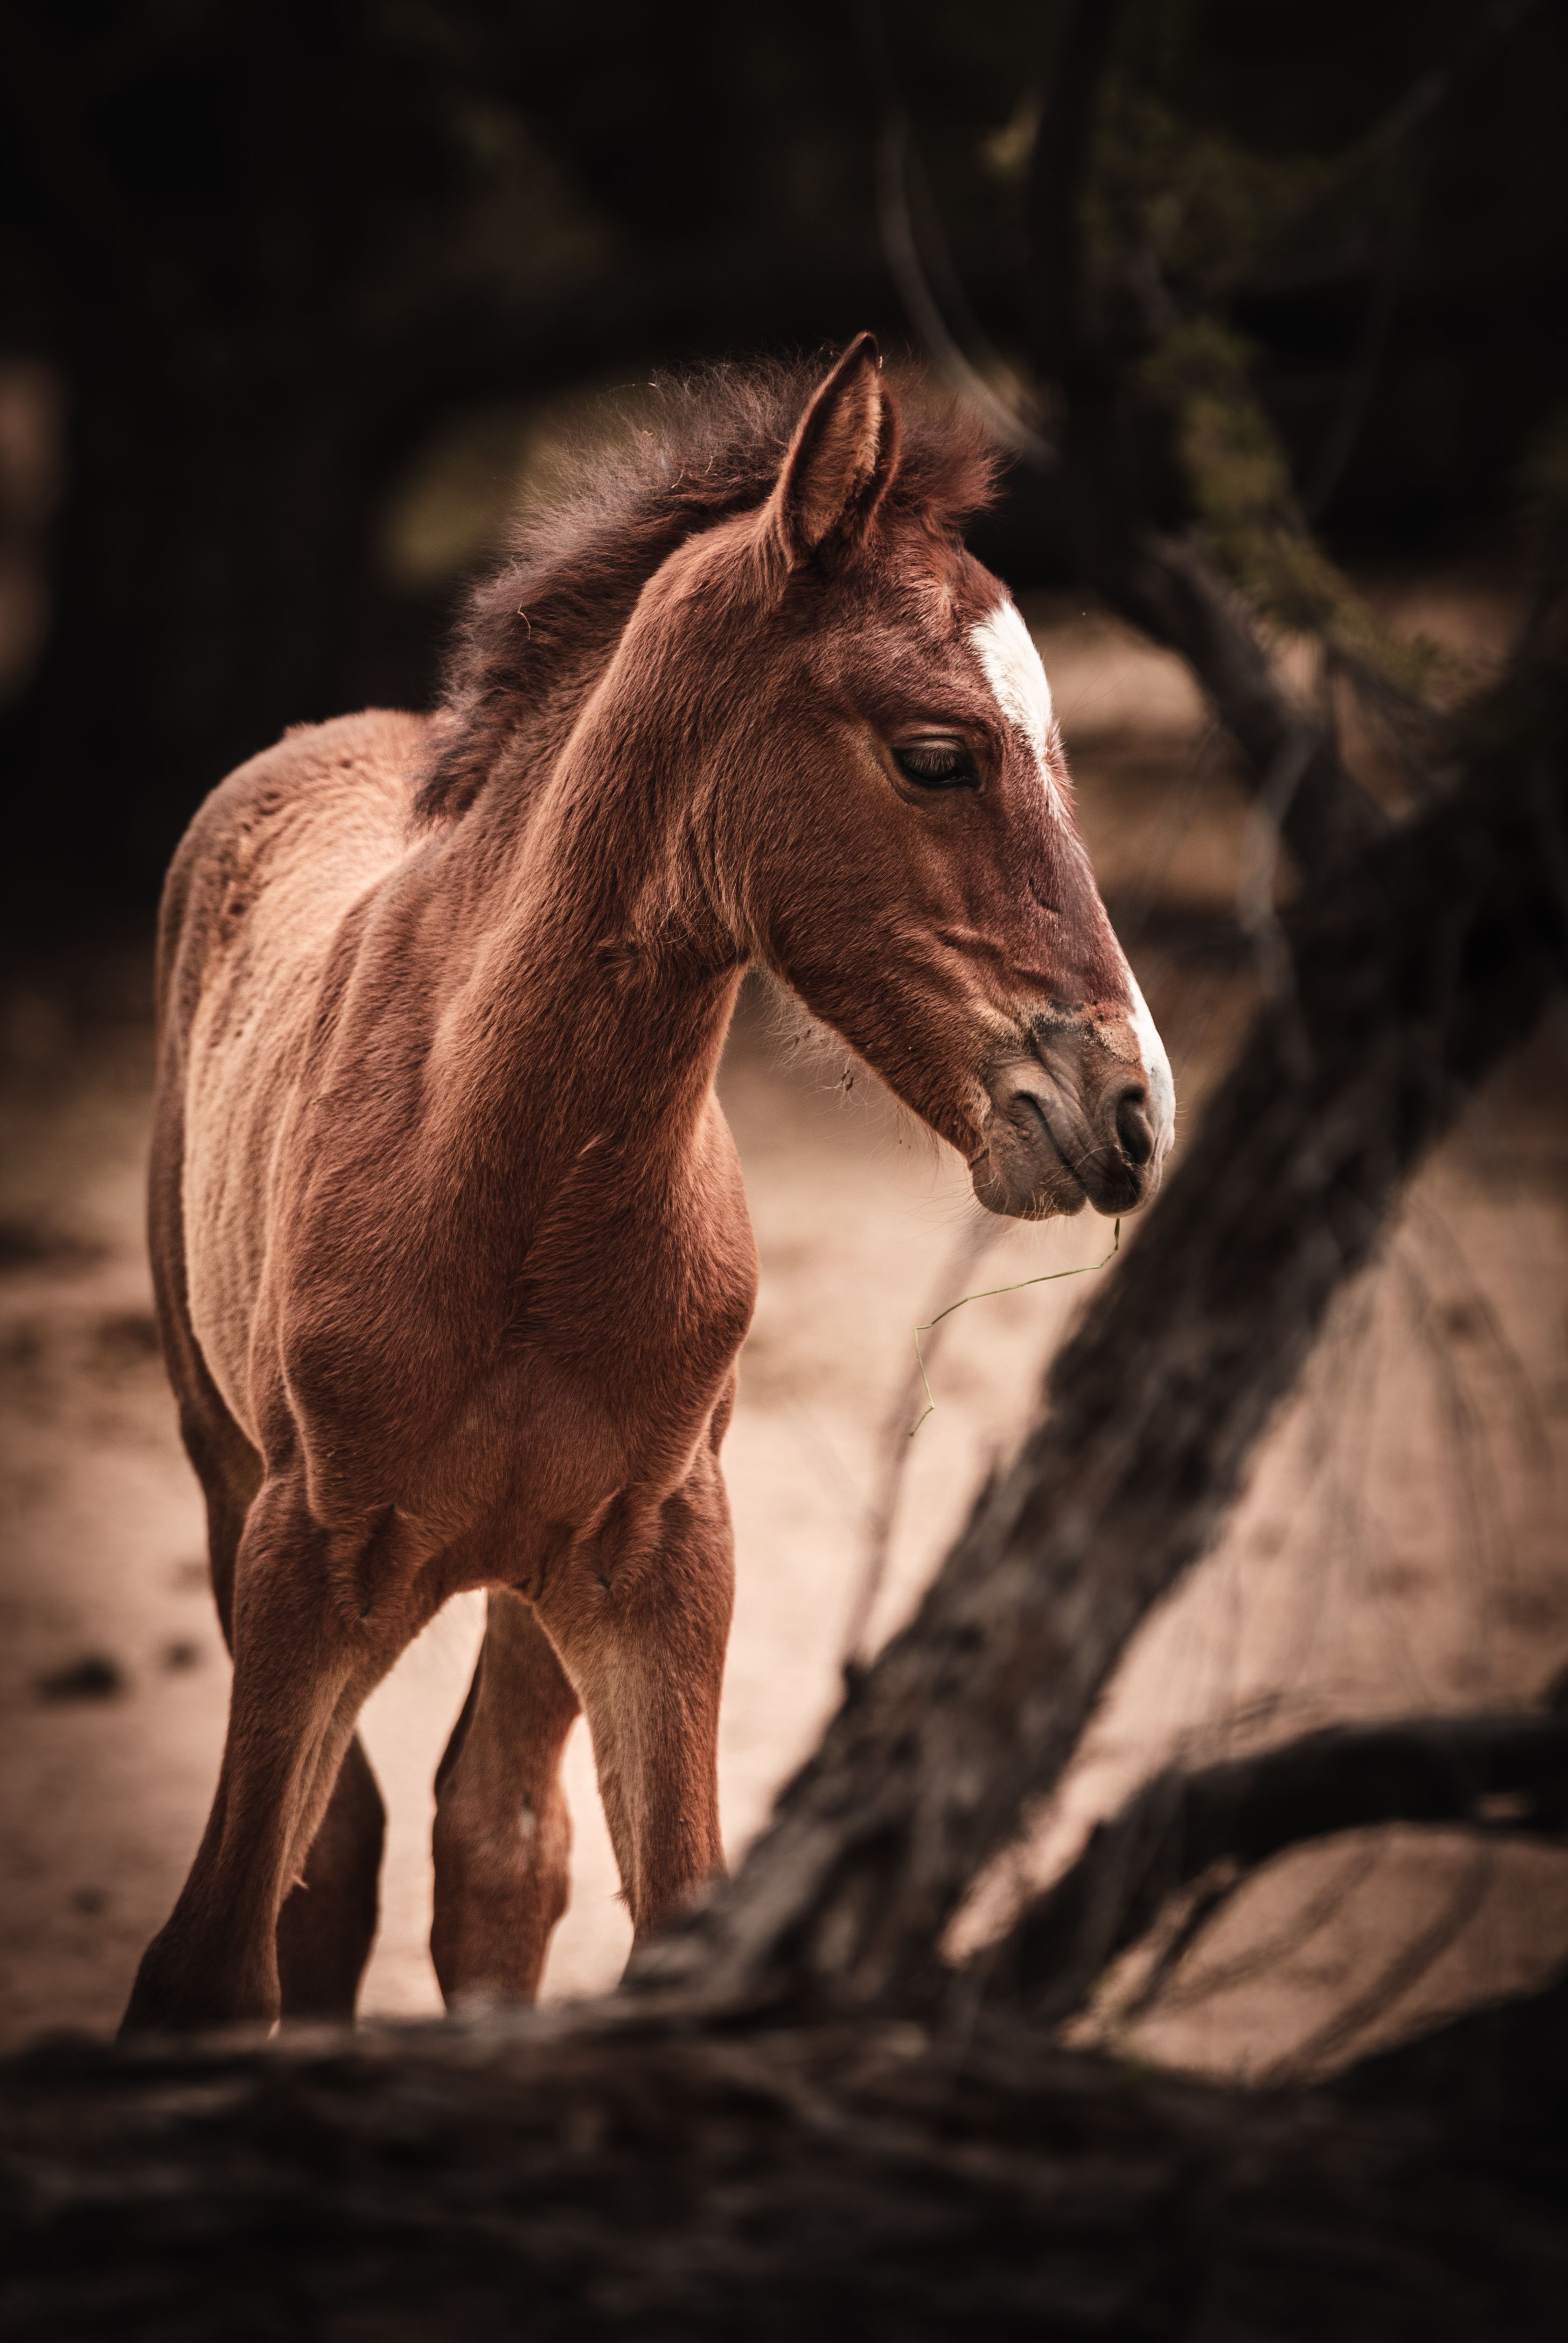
x: 537, y: 633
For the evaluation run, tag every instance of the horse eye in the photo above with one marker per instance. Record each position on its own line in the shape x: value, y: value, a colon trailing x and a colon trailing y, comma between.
x: 936, y: 765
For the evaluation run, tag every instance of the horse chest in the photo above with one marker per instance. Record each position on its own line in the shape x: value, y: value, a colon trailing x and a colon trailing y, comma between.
x: 610, y: 1374
x: 625, y: 1375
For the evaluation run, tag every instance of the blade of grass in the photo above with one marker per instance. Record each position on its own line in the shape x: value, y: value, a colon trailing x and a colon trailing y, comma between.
x: 988, y: 1293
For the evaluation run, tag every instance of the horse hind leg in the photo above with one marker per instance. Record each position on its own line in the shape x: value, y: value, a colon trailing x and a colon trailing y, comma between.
x: 503, y: 1835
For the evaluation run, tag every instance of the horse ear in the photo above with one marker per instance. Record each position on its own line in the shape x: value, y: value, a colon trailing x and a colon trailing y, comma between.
x: 840, y: 460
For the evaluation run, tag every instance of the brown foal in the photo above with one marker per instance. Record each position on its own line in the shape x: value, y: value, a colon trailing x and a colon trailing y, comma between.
x: 451, y: 1246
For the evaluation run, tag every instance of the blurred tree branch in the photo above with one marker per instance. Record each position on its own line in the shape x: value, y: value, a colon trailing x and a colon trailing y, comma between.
x: 607, y: 2174
x: 1506, y: 1774
x: 1153, y: 414
x: 1065, y: 349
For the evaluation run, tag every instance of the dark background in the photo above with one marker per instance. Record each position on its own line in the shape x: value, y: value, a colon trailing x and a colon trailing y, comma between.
x: 281, y: 286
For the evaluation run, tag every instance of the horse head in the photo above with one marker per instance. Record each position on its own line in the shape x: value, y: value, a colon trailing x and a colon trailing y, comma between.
x: 889, y: 822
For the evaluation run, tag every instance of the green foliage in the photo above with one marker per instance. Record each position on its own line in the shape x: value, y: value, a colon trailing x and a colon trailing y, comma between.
x: 1247, y: 514
x: 1199, y: 203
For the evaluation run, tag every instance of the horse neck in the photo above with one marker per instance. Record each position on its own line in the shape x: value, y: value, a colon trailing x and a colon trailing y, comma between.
x: 594, y: 1009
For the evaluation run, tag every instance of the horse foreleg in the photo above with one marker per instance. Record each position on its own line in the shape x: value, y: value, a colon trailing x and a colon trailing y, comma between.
x: 503, y: 1835
x: 302, y: 1667
x: 641, y: 1621
x: 327, y: 1924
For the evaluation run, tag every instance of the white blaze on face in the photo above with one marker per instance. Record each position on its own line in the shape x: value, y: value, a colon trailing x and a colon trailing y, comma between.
x: 1005, y: 649
x: 1156, y: 1073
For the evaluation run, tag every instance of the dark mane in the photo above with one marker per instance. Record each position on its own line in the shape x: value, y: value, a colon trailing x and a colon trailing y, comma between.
x: 536, y: 633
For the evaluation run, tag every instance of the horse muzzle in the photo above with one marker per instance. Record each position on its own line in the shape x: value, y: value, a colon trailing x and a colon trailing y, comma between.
x: 1073, y: 1122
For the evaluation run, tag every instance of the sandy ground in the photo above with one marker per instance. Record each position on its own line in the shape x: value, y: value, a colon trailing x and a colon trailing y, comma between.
x: 1400, y: 1546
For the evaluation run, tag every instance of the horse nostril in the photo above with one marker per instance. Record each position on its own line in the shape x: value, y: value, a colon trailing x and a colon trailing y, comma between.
x: 1133, y: 1128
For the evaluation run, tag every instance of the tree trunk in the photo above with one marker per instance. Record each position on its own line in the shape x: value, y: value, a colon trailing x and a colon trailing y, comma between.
x: 603, y: 2176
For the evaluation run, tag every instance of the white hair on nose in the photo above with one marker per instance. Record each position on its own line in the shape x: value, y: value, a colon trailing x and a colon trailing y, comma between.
x: 1156, y: 1071
x: 1005, y: 649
